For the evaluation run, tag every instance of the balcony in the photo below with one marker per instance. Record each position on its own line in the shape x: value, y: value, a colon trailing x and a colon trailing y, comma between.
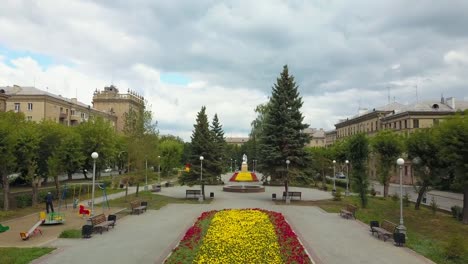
x: 75, y: 117
x: 63, y: 115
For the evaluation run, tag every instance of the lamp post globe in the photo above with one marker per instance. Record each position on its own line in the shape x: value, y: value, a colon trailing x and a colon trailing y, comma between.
x: 94, y: 156
x: 401, y: 228
x: 334, y: 176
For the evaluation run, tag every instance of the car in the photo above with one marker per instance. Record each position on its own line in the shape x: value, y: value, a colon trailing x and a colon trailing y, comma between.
x: 340, y: 175
x: 108, y: 170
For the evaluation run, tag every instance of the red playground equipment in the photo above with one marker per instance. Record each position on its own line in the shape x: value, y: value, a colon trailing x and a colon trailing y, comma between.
x: 83, y: 211
x: 33, y: 231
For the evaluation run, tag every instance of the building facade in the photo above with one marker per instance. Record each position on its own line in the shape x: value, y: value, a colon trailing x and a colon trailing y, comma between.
x: 239, y: 141
x: 40, y: 105
x: 3, y: 100
x: 330, y: 137
x: 110, y: 100
x: 317, y: 137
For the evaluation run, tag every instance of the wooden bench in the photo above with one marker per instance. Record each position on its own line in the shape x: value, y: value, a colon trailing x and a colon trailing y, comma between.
x: 138, y: 207
x: 156, y: 188
x: 385, y: 230
x: 348, y: 211
x: 291, y: 195
x: 100, y: 222
x: 193, y: 193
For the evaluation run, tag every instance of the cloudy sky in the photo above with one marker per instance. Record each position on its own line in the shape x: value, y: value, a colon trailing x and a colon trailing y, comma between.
x: 227, y: 54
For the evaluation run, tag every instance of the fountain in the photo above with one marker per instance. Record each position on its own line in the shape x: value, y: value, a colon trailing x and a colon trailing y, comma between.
x: 244, y: 177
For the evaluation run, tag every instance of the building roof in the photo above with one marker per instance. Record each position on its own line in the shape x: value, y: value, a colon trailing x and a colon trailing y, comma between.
x: 434, y: 107
x: 314, y: 132
x: 236, y: 140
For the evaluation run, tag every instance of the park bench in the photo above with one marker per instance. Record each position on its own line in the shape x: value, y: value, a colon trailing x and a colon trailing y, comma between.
x: 99, y: 222
x: 348, y: 211
x: 138, y: 207
x: 156, y: 188
x: 385, y: 230
x: 291, y: 195
x: 169, y: 184
x: 193, y: 193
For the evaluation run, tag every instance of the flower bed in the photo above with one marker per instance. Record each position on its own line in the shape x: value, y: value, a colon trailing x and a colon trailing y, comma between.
x: 240, y: 236
x: 244, y: 177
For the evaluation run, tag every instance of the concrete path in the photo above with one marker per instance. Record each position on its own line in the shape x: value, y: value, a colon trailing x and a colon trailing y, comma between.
x: 149, y: 237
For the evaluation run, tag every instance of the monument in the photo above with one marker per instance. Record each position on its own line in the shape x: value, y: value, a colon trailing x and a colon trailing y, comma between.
x: 245, y: 180
x: 244, y: 166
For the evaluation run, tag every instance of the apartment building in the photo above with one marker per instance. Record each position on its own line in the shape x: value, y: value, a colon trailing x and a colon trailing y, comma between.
x: 3, y: 100
x: 239, y: 141
x: 317, y: 137
x: 330, y: 137
x: 40, y: 105
x: 110, y: 100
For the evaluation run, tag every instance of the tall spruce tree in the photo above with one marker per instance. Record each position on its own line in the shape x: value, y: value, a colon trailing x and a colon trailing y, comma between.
x: 219, y: 148
x: 201, y: 145
x: 358, y: 151
x: 281, y: 137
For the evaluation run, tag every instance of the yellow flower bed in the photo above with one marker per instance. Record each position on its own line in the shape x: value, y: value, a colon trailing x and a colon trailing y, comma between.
x: 240, y: 236
x: 244, y: 176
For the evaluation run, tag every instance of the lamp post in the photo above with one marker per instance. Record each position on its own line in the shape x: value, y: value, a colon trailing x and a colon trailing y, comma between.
x: 159, y: 171
x: 201, y: 179
x: 94, y: 156
x: 334, y: 176
x: 231, y: 165
x: 347, y: 177
x: 146, y: 173
x: 287, y: 181
x: 235, y: 165
x: 401, y: 228
x: 254, y: 163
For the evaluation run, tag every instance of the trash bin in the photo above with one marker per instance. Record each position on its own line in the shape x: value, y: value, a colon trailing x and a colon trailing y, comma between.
x: 399, y: 239
x: 86, y: 231
x: 273, y: 196
x: 211, y: 195
x: 113, y: 218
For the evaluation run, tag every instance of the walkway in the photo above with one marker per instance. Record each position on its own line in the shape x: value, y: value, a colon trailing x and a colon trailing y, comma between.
x: 149, y: 237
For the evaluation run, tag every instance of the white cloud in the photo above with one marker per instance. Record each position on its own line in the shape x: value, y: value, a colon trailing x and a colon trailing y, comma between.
x: 457, y: 57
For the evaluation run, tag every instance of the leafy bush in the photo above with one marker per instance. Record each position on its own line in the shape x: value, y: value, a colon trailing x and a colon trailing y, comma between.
x: 395, y: 197
x: 23, y: 200
x: 406, y: 200
x: 337, y: 195
x: 70, y: 233
x: 433, y: 205
x: 457, y: 212
x: 455, y: 249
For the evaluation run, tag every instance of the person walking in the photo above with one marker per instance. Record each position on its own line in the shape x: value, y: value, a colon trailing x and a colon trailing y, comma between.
x: 48, y: 199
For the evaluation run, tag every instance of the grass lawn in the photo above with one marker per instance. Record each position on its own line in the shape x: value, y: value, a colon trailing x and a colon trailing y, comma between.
x: 428, y: 234
x: 155, y: 201
x: 70, y: 233
x: 22, y: 255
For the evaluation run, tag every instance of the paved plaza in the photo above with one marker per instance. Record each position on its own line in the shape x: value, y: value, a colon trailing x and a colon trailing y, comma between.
x: 150, y: 237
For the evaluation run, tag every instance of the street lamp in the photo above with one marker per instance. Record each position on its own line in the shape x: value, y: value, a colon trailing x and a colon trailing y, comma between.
x: 235, y: 165
x: 201, y: 179
x: 287, y: 181
x: 347, y: 177
x: 401, y: 228
x: 94, y: 155
x: 159, y: 171
x: 146, y: 173
x: 254, y: 163
x: 231, y: 165
x: 334, y: 176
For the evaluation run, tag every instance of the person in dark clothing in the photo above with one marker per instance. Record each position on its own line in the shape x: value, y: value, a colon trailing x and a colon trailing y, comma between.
x: 49, y: 198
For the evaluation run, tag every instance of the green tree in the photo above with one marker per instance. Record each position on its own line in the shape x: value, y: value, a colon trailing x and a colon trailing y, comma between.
x: 454, y: 139
x: 321, y: 162
x: 358, y: 152
x: 52, y: 134
x: 219, y: 148
x: 69, y: 154
x: 10, y: 124
x: 201, y: 145
x: 387, y: 146
x: 424, y: 148
x: 282, y: 136
x: 171, y: 151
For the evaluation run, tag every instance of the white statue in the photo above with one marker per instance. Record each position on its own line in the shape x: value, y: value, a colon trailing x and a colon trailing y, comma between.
x: 244, y: 158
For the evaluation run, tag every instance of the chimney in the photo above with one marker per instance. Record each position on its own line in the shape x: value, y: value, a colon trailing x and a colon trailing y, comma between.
x: 450, y: 102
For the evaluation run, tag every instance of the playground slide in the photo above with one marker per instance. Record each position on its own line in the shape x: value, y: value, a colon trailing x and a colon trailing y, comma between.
x: 34, y: 230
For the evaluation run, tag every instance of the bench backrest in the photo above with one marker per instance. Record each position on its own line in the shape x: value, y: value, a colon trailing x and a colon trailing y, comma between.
x: 193, y: 191
x: 389, y: 226
x: 96, y: 220
x: 351, y: 208
x: 292, y: 193
x: 135, y: 204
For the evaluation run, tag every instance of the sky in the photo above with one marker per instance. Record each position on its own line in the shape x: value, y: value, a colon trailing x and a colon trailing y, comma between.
x: 226, y: 55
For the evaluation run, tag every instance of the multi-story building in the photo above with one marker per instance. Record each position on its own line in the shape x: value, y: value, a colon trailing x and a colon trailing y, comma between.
x: 317, y: 137
x: 3, y: 100
x: 401, y: 118
x: 330, y: 137
x: 40, y: 105
x: 239, y: 141
x: 110, y: 100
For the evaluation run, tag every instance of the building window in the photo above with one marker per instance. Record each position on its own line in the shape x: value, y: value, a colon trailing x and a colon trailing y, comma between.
x: 400, y: 125
x: 29, y: 118
x: 61, y: 109
x: 415, y: 123
x: 406, y: 170
x: 372, y: 126
x: 406, y: 123
x: 82, y: 115
x: 30, y: 106
x: 17, y: 107
x: 72, y: 112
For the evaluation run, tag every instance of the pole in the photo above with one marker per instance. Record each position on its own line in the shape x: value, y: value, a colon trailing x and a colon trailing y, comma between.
x: 235, y: 165
x: 146, y: 174
x: 334, y: 176
x: 159, y: 171
x: 94, y: 177
x: 347, y: 178
x: 401, y: 228
x: 201, y: 180
x: 287, y: 182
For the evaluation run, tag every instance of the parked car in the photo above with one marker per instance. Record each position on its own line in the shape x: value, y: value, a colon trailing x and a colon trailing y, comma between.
x: 340, y: 175
x: 108, y: 170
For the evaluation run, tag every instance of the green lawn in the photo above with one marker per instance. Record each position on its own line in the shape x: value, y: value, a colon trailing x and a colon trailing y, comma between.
x: 155, y: 201
x: 428, y: 234
x: 22, y: 255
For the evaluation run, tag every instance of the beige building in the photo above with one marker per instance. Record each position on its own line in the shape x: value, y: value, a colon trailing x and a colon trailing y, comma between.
x: 110, y: 100
x: 40, y: 105
x: 317, y: 137
x: 330, y: 137
x: 3, y: 100
x: 239, y: 141
x: 401, y: 118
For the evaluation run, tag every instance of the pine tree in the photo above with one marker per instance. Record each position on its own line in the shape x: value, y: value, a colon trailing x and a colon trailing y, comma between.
x: 219, y: 147
x: 201, y: 145
x: 282, y: 136
x: 358, y: 151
